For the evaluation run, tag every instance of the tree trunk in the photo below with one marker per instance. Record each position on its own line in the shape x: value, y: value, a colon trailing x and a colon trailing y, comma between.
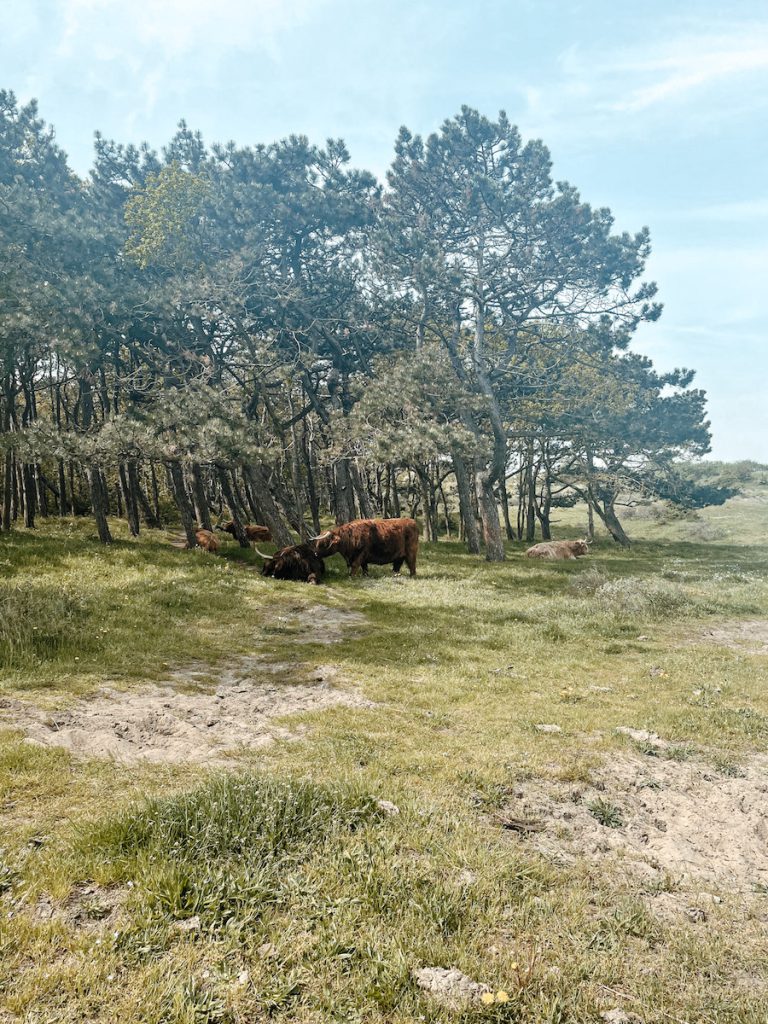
x: 446, y: 513
x: 42, y: 502
x: 62, y: 489
x: 544, y: 505
x: 504, y: 497
x: 361, y: 492
x: 119, y: 495
x: 306, y: 454
x: 612, y: 524
x: 294, y: 457
x: 530, y: 498
x: 466, y: 508
x: 98, y: 504
x: 234, y: 507
x: 128, y: 475
x: 199, y: 498
x: 591, y: 497
x: 489, y: 515
x: 155, y: 493
x: 270, y: 513
x: 239, y: 495
x: 72, y: 492
x: 344, y: 499
x: 28, y: 478
x: 176, y: 482
x: 428, y: 503
x: 146, y: 509
x: 18, y: 490
x: 394, y: 496
x: 8, y: 489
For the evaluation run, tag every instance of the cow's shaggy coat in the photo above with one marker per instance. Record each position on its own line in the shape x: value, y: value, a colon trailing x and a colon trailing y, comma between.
x: 252, y: 532
x: 297, y: 562
x: 365, y: 542
x: 559, y: 549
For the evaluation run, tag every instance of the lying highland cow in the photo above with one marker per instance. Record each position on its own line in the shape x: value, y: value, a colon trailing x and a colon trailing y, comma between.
x: 252, y: 532
x: 372, y: 541
x: 560, y: 549
x: 298, y: 562
x: 207, y: 541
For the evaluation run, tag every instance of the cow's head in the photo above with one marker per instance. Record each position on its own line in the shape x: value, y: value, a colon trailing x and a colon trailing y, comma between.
x: 580, y: 547
x: 296, y: 562
x: 326, y: 544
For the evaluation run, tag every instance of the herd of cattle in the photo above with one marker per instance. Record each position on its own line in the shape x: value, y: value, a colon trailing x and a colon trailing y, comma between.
x: 361, y: 543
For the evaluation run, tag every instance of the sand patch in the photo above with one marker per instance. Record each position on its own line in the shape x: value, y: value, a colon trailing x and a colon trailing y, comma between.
x: 322, y: 624
x: 747, y: 637
x: 88, y: 907
x: 663, y: 818
x: 218, y: 712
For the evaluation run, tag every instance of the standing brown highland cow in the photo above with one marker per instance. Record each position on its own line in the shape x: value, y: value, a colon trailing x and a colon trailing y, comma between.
x: 365, y: 542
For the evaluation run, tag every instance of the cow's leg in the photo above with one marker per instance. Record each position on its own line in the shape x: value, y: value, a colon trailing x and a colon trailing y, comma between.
x: 357, y: 564
x: 397, y: 565
x: 411, y: 560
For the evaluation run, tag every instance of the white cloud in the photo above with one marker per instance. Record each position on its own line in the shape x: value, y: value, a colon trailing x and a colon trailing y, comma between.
x: 178, y: 27
x: 694, y: 66
x: 595, y: 89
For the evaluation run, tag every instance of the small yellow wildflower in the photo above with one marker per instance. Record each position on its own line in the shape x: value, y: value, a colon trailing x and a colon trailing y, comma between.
x: 514, y: 967
x: 502, y: 996
x: 487, y: 998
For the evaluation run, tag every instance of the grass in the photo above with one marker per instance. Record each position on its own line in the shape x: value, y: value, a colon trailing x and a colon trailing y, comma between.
x: 312, y: 903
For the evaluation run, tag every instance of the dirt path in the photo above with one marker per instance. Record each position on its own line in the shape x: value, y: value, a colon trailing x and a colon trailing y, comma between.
x: 200, y: 713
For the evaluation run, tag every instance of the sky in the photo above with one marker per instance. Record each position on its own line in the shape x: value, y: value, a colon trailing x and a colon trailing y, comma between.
x: 657, y: 110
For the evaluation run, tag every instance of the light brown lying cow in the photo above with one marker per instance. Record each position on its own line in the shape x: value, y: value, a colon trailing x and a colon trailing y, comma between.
x: 561, y: 549
x: 252, y: 532
x: 207, y: 541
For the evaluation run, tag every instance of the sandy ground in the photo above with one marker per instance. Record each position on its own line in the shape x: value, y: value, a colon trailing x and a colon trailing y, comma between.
x: 747, y: 637
x: 200, y: 713
x: 681, y: 820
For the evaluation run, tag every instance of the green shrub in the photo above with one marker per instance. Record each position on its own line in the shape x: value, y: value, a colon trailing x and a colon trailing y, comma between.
x: 226, y: 849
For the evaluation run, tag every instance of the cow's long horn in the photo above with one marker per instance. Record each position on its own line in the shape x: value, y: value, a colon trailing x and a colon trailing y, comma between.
x: 261, y: 553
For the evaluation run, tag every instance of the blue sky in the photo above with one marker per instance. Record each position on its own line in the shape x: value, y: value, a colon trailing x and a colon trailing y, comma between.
x: 658, y: 110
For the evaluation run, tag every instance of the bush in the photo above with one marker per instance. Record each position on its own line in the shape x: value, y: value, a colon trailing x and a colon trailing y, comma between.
x: 587, y: 583
x: 706, y: 532
x: 227, y: 849
x: 629, y: 596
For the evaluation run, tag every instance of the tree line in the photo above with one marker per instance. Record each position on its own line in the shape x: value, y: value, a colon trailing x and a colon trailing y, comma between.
x: 269, y: 331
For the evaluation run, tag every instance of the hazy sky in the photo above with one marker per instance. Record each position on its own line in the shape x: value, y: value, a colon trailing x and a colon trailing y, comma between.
x: 657, y: 110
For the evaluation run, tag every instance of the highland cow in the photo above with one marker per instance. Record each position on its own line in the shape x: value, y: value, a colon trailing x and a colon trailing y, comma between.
x: 207, y: 541
x: 372, y: 541
x: 253, y: 533
x: 297, y: 562
x: 559, y: 549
